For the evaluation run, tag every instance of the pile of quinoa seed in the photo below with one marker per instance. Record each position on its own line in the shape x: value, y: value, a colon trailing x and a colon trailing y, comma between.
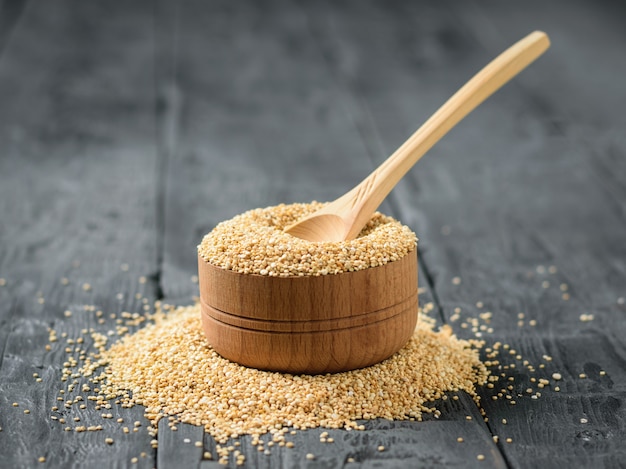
x: 156, y: 358
x: 169, y: 367
x: 255, y: 243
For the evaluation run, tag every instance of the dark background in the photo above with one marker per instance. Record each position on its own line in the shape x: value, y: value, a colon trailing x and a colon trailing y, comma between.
x: 128, y: 129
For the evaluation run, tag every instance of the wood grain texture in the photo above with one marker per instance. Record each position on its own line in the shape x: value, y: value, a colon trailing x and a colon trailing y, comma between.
x: 77, y: 196
x: 128, y: 131
x: 432, y: 443
x: 309, y: 298
x: 178, y: 448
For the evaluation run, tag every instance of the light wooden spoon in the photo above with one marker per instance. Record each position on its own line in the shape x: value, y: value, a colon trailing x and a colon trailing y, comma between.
x: 344, y: 218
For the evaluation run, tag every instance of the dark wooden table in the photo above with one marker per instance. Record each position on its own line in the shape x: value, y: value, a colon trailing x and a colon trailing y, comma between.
x: 128, y: 129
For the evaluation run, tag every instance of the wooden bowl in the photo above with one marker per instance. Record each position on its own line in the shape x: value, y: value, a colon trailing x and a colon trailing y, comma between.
x: 310, y: 324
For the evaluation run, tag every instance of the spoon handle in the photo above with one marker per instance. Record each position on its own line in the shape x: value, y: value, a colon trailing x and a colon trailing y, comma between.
x: 373, y: 189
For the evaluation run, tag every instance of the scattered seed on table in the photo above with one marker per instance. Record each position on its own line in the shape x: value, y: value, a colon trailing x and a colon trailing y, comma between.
x: 174, y: 337
x: 183, y: 346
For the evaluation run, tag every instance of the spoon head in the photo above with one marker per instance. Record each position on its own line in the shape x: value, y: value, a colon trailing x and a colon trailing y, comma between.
x: 319, y: 227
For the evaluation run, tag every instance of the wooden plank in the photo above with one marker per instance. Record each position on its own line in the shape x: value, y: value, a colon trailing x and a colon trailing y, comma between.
x: 77, y: 195
x: 405, y: 444
x: 581, y: 429
x: 514, y: 215
x: 433, y: 442
x: 178, y: 448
